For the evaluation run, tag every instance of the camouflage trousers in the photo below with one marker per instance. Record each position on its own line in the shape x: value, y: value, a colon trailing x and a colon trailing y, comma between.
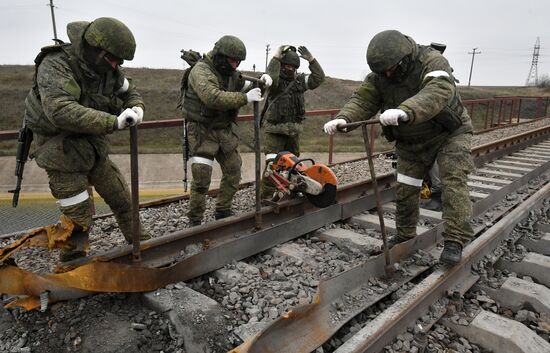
x: 273, y: 144
x: 71, y: 191
x: 206, y: 145
x: 455, y: 163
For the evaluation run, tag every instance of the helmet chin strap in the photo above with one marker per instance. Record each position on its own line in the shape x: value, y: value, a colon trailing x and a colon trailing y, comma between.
x: 221, y: 64
x: 401, y: 70
x: 100, y: 57
x: 287, y: 74
x: 101, y: 63
x: 103, y: 58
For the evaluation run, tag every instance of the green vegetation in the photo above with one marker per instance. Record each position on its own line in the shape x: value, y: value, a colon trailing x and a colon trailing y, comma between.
x: 160, y: 90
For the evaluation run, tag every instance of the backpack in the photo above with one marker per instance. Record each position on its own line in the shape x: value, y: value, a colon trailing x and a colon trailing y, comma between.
x: 191, y: 57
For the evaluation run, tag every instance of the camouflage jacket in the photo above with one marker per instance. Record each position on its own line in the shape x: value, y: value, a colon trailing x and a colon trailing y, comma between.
x: 286, y: 105
x: 212, y: 99
x: 71, y: 108
x: 427, y: 94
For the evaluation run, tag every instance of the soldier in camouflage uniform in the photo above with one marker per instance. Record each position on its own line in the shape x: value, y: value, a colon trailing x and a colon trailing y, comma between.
x: 413, y: 86
x: 214, y: 94
x: 80, y: 95
x: 285, y: 107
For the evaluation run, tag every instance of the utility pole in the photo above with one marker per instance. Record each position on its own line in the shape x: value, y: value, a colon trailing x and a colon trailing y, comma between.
x: 53, y: 20
x: 533, y: 77
x: 472, y: 66
x: 267, y: 49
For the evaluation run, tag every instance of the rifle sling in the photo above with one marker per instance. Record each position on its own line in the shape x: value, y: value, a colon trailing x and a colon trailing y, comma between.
x: 268, y: 103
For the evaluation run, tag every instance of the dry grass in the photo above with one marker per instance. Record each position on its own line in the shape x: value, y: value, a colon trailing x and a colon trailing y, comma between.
x: 160, y: 90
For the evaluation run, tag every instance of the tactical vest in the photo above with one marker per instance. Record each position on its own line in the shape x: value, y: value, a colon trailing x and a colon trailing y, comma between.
x: 288, y: 106
x: 444, y: 123
x: 98, y: 94
x: 195, y: 110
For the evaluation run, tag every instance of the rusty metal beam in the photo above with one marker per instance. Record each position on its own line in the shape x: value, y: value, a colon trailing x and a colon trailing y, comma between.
x: 166, y: 249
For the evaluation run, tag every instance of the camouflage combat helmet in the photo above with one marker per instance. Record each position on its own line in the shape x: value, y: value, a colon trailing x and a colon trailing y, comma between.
x: 387, y: 49
x: 291, y: 57
x: 112, y: 36
x: 230, y: 46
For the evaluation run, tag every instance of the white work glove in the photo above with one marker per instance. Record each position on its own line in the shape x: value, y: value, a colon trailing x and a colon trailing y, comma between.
x: 392, y: 117
x: 127, y: 118
x: 139, y: 112
x: 254, y: 95
x: 267, y: 80
x: 332, y: 126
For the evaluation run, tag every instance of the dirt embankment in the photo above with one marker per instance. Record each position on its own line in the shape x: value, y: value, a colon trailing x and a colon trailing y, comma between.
x: 160, y: 90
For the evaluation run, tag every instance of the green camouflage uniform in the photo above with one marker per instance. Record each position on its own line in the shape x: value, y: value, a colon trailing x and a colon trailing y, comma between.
x: 211, y: 105
x: 282, y: 122
x: 71, y: 109
x: 428, y: 95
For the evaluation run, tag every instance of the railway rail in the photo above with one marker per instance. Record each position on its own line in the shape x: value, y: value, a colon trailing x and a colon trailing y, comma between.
x: 311, y: 325
x: 358, y: 283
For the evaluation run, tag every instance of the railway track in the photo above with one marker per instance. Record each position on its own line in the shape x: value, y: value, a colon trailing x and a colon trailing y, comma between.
x: 314, y: 324
x: 327, y: 279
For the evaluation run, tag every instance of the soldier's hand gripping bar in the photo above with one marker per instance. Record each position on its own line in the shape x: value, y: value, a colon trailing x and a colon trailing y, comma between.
x: 252, y: 79
x: 347, y: 126
x: 259, y: 81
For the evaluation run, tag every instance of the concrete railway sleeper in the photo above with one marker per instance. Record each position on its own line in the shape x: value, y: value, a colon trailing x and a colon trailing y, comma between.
x: 214, y: 252
x: 506, y: 309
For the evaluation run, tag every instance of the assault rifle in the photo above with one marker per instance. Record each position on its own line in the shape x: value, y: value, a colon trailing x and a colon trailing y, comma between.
x: 185, y: 154
x: 191, y: 57
x: 23, y: 146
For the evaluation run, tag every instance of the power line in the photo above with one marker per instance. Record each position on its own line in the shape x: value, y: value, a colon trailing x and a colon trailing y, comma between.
x: 267, y: 49
x: 533, y: 77
x: 472, y: 65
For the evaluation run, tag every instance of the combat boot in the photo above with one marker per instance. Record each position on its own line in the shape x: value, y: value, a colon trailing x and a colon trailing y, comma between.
x: 69, y: 255
x: 432, y: 204
x: 143, y: 235
x: 194, y: 222
x: 220, y: 214
x: 77, y: 243
x: 452, y: 252
x: 396, y: 239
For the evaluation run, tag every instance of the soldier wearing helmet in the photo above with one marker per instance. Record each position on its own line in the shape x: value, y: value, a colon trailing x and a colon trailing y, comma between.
x: 414, y: 89
x: 79, y: 95
x: 215, y: 92
x: 285, y: 109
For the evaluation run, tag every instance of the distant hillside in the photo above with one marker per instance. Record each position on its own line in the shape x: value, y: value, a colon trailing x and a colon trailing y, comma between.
x: 160, y: 90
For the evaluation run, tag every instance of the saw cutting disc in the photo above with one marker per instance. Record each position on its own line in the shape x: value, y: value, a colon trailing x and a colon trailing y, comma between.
x: 324, y: 199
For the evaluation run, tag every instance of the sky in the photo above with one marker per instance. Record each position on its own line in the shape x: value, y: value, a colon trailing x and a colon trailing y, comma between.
x: 336, y: 32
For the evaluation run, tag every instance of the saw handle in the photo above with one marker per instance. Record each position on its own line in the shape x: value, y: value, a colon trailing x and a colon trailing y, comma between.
x: 293, y: 169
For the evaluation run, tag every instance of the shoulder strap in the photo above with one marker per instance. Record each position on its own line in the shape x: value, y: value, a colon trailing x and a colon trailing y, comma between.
x: 73, y: 63
x: 44, y: 51
x: 268, y: 103
x: 183, y: 86
x: 75, y: 68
